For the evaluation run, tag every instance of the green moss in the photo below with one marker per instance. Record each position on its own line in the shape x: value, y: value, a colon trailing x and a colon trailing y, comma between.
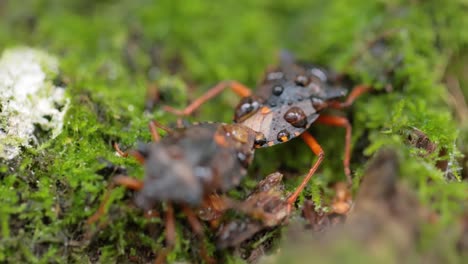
x: 110, y: 51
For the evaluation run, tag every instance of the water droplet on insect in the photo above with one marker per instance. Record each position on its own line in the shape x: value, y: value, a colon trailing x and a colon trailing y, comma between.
x: 296, y: 117
x: 246, y: 107
x: 260, y: 140
x: 301, y: 80
x: 275, y: 76
x: 319, y: 74
x: 278, y: 90
x: 283, y: 135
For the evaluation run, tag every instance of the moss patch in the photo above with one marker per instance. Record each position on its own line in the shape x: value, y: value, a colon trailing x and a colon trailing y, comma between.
x: 110, y: 51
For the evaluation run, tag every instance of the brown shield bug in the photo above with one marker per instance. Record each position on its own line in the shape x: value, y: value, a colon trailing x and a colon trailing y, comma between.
x: 188, y: 165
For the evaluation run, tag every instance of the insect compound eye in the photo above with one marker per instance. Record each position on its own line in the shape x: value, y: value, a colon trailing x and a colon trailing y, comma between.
x: 247, y: 107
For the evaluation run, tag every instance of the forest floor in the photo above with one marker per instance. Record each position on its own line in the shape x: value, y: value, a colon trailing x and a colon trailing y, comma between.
x: 97, y: 60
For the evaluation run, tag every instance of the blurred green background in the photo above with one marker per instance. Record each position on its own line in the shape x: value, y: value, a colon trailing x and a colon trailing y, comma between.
x: 413, y: 52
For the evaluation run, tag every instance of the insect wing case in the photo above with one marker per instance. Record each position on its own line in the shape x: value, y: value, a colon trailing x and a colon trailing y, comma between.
x: 188, y: 164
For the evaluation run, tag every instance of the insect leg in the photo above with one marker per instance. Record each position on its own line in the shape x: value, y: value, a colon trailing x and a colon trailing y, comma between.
x: 137, y: 155
x: 237, y: 87
x: 153, y: 130
x: 198, y: 229
x: 161, y: 126
x: 194, y: 223
x: 101, y: 209
x: 341, y: 122
x: 355, y: 93
x: 317, y: 149
x: 129, y: 182
x: 170, y: 226
x: 126, y: 181
x: 170, y: 234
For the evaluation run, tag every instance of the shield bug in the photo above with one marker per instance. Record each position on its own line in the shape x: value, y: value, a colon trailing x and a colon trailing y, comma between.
x: 288, y: 100
x: 188, y: 165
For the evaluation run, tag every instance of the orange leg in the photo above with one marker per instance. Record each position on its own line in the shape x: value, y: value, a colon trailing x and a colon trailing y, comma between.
x: 170, y: 226
x: 237, y: 87
x: 341, y: 122
x: 121, y: 153
x: 101, y: 209
x: 129, y: 182
x: 126, y: 181
x: 198, y: 229
x: 137, y: 155
x: 194, y: 223
x: 153, y: 130
x: 170, y: 234
x: 155, y: 124
x: 317, y: 149
x: 355, y: 93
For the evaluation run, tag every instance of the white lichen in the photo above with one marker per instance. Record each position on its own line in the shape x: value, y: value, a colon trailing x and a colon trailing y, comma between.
x: 29, y: 101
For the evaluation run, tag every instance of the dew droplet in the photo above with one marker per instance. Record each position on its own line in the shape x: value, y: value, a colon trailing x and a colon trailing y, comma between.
x: 277, y: 90
x: 260, y: 139
x: 275, y: 76
x: 301, y: 80
x: 319, y: 74
x: 296, y: 117
x: 246, y: 107
x: 283, y: 135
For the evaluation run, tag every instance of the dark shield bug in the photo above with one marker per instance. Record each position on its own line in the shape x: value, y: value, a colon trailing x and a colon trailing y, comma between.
x: 289, y: 99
